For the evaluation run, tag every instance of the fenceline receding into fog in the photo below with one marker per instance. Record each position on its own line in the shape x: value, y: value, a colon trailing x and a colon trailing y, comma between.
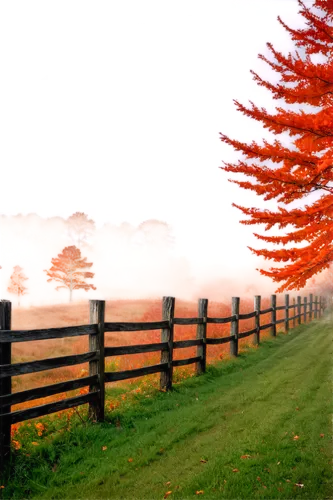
x: 303, y: 311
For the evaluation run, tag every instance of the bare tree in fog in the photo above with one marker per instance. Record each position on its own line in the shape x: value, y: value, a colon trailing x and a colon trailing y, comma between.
x: 80, y: 228
x: 157, y: 234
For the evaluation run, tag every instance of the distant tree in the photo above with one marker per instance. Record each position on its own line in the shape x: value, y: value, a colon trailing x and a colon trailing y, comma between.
x: 154, y: 233
x: 292, y: 174
x: 67, y: 269
x: 80, y: 228
x: 55, y: 219
x: 16, y: 284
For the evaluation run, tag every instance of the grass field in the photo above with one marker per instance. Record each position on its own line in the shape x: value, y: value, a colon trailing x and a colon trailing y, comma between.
x: 116, y: 310
x: 259, y: 426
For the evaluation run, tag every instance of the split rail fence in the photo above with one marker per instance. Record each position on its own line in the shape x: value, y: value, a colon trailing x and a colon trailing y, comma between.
x: 303, y: 311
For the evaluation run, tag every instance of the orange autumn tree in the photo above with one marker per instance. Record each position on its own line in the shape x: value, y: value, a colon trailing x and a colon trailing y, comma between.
x: 16, y: 284
x: 67, y: 269
x: 323, y: 284
x: 303, y: 172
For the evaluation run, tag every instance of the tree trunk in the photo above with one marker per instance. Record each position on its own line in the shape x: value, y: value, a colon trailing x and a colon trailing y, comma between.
x: 70, y: 290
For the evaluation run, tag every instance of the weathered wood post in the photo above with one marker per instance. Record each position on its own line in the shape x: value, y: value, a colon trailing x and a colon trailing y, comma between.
x: 201, y: 334
x: 299, y: 309
x: 5, y: 383
x: 311, y: 307
x: 257, y: 304
x: 96, y: 343
x: 294, y: 313
x: 234, y: 326
x: 315, y: 307
x: 273, y: 316
x: 305, y: 307
x: 168, y: 311
x: 286, y: 317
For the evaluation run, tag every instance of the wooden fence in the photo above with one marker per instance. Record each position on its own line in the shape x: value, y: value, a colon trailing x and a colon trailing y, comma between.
x: 302, y: 312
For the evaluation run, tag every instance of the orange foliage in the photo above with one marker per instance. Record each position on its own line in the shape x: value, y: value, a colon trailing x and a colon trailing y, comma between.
x: 303, y: 168
x: 16, y: 285
x: 117, y: 311
x: 140, y: 310
x: 67, y: 269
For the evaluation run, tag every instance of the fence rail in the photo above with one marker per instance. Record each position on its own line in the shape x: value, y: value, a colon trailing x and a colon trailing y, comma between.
x: 98, y: 352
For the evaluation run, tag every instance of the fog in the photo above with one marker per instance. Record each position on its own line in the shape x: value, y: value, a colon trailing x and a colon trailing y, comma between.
x: 142, y: 261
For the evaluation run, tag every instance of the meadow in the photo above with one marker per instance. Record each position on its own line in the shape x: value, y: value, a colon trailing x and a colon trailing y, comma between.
x: 120, y: 310
x: 258, y: 426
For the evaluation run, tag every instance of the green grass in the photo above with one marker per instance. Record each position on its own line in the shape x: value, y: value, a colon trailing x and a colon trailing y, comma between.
x: 272, y: 406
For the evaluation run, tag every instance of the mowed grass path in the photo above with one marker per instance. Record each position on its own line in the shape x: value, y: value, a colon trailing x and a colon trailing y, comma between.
x: 259, y: 426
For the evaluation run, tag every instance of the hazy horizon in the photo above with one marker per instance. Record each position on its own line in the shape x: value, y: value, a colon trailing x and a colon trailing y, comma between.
x: 114, y: 110
x: 127, y: 263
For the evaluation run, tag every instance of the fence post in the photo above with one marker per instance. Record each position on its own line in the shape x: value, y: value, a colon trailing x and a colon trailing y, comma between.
x: 311, y: 306
x: 168, y: 310
x: 286, y: 318
x: 96, y: 343
x: 257, y: 304
x: 234, y: 326
x: 299, y: 309
x: 294, y: 314
x: 273, y: 316
x: 201, y: 334
x: 305, y: 306
x: 5, y: 383
x: 315, y: 307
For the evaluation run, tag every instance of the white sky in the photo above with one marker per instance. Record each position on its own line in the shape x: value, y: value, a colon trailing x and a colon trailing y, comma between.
x: 114, y: 108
